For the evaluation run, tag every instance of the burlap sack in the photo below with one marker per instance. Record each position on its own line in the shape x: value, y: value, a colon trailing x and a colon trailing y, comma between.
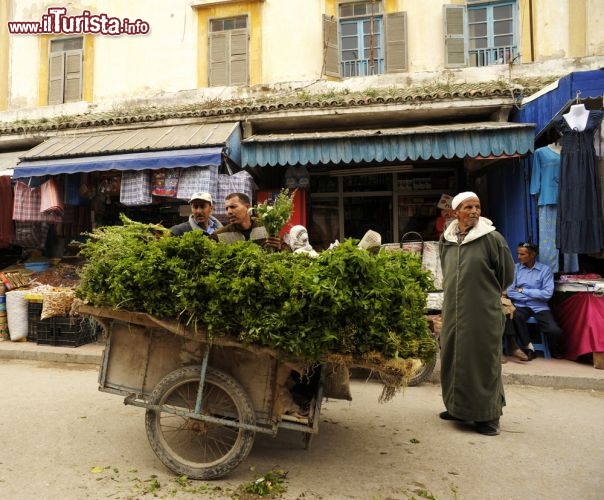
x: 57, y: 303
x: 337, y: 382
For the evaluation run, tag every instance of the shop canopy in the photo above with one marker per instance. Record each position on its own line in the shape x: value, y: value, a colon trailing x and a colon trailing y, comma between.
x: 554, y: 100
x: 8, y: 162
x: 470, y: 140
x: 149, y: 148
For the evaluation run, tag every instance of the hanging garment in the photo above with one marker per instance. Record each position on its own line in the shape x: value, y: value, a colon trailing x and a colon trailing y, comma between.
x: 580, y: 227
x: 26, y: 205
x: 545, y: 184
x: 164, y: 182
x: 545, y: 176
x: 548, y: 253
x: 135, y: 188
x: 71, y: 189
x: 198, y: 179
x: 51, y: 199
x: 6, y: 211
x: 241, y: 182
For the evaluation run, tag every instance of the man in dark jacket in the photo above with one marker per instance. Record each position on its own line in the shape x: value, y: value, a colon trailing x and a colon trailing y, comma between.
x: 201, y: 217
x: 477, y: 267
x: 243, y: 227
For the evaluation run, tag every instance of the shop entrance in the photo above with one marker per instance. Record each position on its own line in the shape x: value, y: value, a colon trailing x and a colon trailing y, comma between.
x: 392, y: 201
x: 362, y: 213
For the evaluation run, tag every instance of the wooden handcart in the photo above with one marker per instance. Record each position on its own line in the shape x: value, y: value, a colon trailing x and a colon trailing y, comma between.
x: 206, y: 399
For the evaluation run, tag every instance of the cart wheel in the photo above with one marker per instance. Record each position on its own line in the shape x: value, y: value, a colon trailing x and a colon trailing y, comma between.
x: 198, y: 449
x: 422, y: 373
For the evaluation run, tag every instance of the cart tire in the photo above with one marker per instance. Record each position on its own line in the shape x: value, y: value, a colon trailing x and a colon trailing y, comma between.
x: 198, y: 449
x: 422, y: 373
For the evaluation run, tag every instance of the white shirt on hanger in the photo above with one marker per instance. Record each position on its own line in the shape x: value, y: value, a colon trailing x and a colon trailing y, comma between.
x: 577, y: 117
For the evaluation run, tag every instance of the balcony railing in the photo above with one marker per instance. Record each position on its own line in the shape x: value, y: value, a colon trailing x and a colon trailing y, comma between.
x: 494, y: 55
x: 362, y: 67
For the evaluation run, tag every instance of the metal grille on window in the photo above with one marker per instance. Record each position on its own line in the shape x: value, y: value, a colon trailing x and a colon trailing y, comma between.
x: 361, y: 39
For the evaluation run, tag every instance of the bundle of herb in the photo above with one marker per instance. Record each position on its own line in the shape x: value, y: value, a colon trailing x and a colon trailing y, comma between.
x: 346, y: 301
x: 274, y: 217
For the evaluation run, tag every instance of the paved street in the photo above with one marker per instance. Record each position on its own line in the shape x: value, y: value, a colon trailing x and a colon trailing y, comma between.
x: 63, y: 439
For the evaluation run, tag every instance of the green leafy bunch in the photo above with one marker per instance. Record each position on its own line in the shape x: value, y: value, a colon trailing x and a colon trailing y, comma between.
x: 346, y: 300
x: 122, y: 266
x: 377, y: 301
x: 271, y: 483
x: 275, y: 216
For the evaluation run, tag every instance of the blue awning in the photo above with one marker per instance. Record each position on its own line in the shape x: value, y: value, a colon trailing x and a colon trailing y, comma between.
x: 177, y: 146
x: 552, y: 101
x: 470, y: 140
x: 180, y: 158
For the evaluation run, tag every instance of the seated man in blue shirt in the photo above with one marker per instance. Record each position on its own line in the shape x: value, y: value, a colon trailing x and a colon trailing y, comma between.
x: 530, y: 292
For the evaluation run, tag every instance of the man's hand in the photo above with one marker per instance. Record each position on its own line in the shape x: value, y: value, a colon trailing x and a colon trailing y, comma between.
x: 273, y: 243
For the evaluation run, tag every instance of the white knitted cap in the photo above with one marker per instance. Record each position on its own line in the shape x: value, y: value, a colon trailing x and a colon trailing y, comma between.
x: 458, y: 199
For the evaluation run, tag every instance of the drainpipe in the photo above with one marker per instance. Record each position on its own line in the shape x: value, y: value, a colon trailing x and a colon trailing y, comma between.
x: 531, y: 36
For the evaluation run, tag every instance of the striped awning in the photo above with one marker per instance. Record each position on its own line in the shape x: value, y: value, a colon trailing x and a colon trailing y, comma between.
x: 473, y: 140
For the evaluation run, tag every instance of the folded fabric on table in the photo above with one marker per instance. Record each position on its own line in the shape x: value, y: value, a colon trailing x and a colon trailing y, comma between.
x: 581, y: 317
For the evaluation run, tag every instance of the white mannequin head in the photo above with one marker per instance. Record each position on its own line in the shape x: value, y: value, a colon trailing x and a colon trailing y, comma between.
x: 577, y: 117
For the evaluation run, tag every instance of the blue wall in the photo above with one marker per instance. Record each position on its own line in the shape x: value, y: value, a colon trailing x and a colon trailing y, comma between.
x: 510, y: 206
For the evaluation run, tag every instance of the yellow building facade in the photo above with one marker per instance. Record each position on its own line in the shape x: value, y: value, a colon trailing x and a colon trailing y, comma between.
x: 415, y: 96
x: 235, y: 48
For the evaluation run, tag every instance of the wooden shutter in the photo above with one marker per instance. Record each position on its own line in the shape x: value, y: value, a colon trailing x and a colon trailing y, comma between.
x: 56, y: 77
x: 239, y: 57
x: 396, y: 42
x: 219, y: 69
x: 455, y: 38
x: 73, y: 75
x: 331, y: 60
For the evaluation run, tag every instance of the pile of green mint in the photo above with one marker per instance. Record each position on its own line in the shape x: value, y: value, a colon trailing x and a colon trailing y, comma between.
x: 347, y: 301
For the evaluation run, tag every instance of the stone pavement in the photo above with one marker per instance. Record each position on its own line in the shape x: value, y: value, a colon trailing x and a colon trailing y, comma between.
x: 555, y: 373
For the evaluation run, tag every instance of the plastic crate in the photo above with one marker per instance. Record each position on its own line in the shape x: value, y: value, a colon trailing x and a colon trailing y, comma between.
x: 34, y: 311
x: 67, y: 331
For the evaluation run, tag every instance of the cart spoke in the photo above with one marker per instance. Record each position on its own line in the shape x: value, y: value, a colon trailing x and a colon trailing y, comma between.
x: 192, y: 445
x: 197, y: 440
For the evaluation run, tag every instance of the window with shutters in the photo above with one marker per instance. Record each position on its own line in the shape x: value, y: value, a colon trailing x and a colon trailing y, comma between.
x: 364, y: 40
x: 361, y: 39
x: 65, y: 70
x: 229, y: 52
x: 481, y: 34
